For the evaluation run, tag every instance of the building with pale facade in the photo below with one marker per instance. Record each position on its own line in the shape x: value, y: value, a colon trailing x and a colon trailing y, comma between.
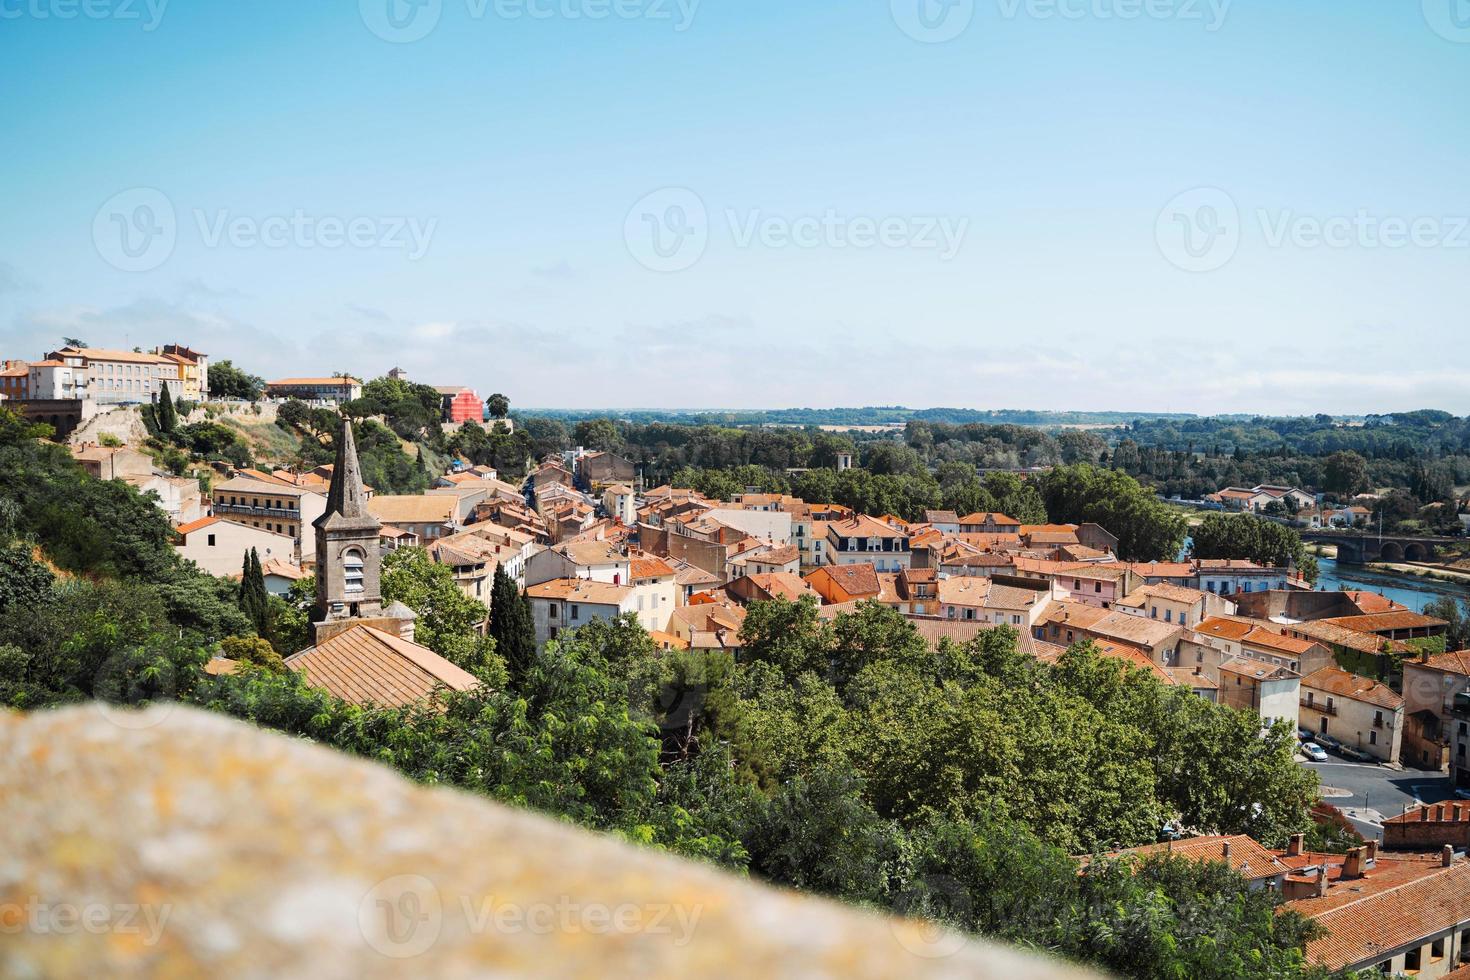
x: 219, y: 546
x: 109, y: 377
x: 1357, y: 711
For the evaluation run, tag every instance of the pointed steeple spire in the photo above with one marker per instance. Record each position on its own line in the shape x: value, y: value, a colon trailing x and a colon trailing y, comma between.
x: 346, y: 498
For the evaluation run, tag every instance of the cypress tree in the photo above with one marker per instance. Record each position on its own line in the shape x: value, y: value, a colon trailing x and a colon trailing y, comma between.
x: 511, y: 625
x: 168, y: 417
x: 254, y: 600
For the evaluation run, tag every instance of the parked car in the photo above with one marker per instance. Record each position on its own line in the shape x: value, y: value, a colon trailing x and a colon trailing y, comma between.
x: 1304, y: 734
x: 1328, y: 742
x: 1356, y: 754
x: 1314, y: 752
x: 1463, y: 793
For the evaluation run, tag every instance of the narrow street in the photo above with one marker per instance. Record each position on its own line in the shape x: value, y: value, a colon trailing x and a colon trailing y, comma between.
x: 1369, y: 793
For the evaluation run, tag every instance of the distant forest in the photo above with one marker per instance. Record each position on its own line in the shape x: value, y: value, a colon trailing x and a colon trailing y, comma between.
x: 873, y: 415
x: 1422, y: 458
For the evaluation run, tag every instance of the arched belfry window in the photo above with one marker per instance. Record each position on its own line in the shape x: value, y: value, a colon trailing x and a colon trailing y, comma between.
x: 352, y: 570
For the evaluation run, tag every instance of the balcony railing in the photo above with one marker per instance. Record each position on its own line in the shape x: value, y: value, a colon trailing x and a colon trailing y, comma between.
x: 293, y: 515
x: 1320, y: 706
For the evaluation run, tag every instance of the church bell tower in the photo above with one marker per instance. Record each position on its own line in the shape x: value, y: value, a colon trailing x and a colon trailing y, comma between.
x: 348, y: 559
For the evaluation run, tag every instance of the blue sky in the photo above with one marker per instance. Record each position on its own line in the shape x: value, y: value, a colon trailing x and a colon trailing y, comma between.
x: 1163, y: 205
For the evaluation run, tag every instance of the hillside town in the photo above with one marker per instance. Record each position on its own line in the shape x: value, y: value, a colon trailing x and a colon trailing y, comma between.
x: 582, y: 540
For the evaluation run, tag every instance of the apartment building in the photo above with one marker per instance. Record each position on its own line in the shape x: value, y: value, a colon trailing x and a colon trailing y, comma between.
x: 270, y: 506
x: 107, y: 377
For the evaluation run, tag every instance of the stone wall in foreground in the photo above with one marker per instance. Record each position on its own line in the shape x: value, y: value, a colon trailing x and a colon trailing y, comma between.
x: 175, y: 843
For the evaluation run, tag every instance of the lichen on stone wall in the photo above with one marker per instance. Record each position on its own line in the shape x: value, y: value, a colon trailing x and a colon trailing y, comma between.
x: 175, y: 843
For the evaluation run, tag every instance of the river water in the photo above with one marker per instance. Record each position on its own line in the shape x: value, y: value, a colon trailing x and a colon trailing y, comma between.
x: 1410, y: 590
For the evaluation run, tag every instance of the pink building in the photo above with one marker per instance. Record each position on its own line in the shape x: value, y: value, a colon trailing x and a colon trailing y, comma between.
x: 461, y: 404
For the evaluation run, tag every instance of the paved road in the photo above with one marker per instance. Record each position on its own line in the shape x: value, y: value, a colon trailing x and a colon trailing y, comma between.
x: 1378, y: 788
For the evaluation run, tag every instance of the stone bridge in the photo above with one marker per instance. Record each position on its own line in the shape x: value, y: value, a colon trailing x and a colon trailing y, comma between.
x: 1356, y: 549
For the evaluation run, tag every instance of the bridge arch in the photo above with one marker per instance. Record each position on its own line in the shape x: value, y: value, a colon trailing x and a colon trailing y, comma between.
x: 1391, y: 551
x: 1414, y: 551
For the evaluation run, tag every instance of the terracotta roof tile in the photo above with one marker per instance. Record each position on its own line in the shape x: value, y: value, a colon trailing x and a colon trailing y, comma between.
x: 366, y: 665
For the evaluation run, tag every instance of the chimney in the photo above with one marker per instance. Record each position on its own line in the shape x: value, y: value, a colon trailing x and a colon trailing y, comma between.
x: 1225, y: 850
x: 1352, y: 864
x: 1447, y: 855
x: 1372, y: 846
x: 1294, y: 844
x: 1322, y: 880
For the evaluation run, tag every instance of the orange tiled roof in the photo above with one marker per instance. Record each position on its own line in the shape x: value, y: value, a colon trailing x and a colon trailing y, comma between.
x: 1453, y: 662
x: 1244, y: 854
x: 1343, y: 684
x: 863, y: 526
x: 1256, y: 669
x: 1228, y: 629
x: 782, y: 585
x: 989, y: 517
x: 193, y: 526
x: 366, y: 665
x: 858, y: 581
x: 649, y: 566
x: 1373, y: 922
x: 1399, y: 619
x: 1453, y: 811
x: 582, y: 590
